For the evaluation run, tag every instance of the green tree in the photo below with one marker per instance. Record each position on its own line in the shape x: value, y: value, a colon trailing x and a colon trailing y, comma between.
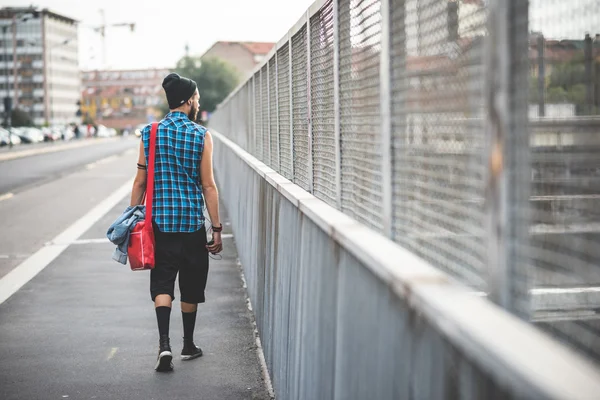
x: 20, y: 118
x: 565, y: 84
x: 215, y: 78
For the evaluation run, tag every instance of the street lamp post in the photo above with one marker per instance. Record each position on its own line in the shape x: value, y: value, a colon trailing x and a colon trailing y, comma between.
x: 7, y: 98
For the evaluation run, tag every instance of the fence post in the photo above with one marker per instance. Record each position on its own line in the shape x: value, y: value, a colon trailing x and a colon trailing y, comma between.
x: 259, y: 151
x: 506, y: 128
x: 541, y: 86
x: 588, y: 51
x: 291, y: 84
x: 269, y: 161
x: 386, y: 121
x: 278, y: 158
x: 253, y: 105
x: 250, y: 116
x: 336, y: 104
x: 309, y: 100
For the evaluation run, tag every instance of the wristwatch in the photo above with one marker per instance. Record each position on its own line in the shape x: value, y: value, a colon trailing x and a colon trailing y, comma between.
x: 217, y: 228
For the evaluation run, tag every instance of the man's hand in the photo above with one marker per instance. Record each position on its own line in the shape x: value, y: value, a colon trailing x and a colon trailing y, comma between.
x: 216, y: 245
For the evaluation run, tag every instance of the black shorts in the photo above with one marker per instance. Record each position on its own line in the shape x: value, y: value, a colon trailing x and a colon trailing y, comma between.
x: 185, y: 253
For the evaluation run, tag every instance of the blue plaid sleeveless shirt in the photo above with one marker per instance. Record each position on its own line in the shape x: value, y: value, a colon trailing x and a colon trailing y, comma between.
x: 178, y: 201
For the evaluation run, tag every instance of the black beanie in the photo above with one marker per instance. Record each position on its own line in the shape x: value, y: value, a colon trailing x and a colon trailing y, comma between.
x: 178, y: 90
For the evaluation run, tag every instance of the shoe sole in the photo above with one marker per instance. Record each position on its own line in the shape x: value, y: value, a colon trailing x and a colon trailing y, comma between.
x: 164, y: 362
x: 187, y: 358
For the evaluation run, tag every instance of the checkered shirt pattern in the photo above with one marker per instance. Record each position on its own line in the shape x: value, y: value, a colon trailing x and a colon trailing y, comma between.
x: 178, y: 202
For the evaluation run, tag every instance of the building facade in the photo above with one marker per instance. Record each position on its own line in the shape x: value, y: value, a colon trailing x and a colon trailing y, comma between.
x: 244, y: 56
x: 122, y: 99
x: 39, y: 63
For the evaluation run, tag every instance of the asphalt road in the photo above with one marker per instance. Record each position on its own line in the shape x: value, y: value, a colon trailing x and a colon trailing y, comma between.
x: 24, y: 172
x: 84, y: 327
x: 53, y: 190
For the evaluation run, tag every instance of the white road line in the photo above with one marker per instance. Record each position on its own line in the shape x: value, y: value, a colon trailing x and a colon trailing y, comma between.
x: 105, y: 240
x: 81, y: 241
x: 112, y: 353
x: 29, y: 268
x: 566, y: 290
x: 91, y: 241
x: 557, y: 290
x: 7, y: 196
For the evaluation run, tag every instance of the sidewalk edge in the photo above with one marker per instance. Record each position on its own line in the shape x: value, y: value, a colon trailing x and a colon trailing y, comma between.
x: 259, y: 350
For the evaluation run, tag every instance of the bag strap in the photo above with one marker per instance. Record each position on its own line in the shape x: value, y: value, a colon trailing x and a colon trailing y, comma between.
x: 150, y: 181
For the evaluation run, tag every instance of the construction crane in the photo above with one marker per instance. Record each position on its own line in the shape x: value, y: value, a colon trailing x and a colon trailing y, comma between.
x: 102, y: 30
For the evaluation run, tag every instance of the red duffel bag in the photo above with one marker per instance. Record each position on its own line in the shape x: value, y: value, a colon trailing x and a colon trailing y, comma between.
x: 141, y: 239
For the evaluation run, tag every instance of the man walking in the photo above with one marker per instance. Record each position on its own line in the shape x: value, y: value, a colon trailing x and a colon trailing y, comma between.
x: 183, y: 182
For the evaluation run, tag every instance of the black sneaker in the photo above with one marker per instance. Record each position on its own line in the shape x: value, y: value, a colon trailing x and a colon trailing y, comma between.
x: 190, y: 350
x: 164, y: 362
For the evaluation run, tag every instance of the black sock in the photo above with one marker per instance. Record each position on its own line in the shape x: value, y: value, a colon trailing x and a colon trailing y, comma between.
x: 189, y: 322
x: 163, y: 314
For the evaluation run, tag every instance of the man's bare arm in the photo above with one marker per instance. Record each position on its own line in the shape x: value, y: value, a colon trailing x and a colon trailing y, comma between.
x: 139, y: 182
x: 209, y: 187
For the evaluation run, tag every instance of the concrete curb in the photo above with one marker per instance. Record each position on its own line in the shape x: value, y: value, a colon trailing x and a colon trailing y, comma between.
x: 53, y: 149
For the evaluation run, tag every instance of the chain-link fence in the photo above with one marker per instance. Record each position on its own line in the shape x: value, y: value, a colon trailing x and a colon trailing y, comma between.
x: 284, y: 81
x: 265, y: 121
x: 465, y: 131
x: 301, y: 141
x: 438, y: 134
x: 564, y: 115
x: 273, y: 115
x: 322, y: 105
x: 360, y: 122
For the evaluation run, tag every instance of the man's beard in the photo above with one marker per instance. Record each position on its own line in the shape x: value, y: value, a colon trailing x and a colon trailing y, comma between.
x: 193, y: 114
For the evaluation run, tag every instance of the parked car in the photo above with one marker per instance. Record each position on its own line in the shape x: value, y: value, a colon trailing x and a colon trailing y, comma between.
x: 67, y: 133
x: 103, y: 131
x: 17, y: 131
x: 31, y: 135
x: 51, y: 134
x: 4, y: 138
x: 138, y: 129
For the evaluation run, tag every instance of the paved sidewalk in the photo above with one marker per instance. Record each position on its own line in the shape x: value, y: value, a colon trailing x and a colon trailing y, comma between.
x: 85, y: 328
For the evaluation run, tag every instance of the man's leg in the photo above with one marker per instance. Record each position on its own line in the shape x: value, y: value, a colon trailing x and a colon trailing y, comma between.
x: 192, y: 282
x: 162, y: 285
x: 162, y: 305
x: 188, y: 314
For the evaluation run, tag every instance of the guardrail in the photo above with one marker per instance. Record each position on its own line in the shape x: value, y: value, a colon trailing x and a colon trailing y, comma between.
x: 412, y: 119
x: 345, y: 313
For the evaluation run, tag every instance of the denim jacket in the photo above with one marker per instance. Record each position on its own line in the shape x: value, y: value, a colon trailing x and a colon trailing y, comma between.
x: 119, y: 231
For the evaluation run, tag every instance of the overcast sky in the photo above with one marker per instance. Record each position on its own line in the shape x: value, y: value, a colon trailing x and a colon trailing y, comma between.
x: 163, y: 28
x: 565, y: 19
